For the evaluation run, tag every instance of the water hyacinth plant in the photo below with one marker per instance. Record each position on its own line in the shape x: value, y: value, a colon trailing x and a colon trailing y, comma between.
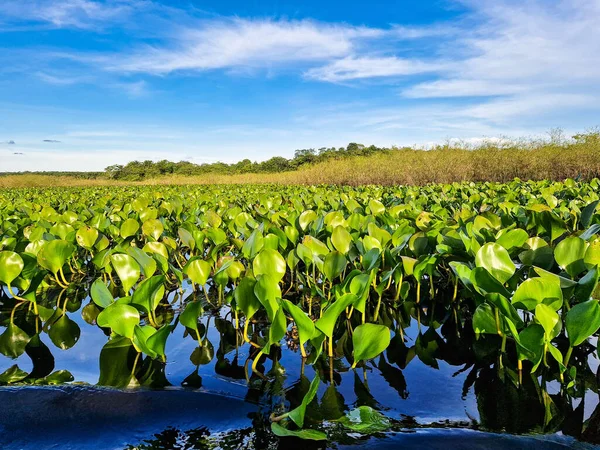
x: 339, y: 272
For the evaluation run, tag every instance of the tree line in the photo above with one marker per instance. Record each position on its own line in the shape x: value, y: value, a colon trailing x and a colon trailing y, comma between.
x: 140, y: 170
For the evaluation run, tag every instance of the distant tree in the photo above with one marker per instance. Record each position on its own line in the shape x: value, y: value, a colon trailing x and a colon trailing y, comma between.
x: 275, y: 164
x: 304, y: 156
x: 354, y: 149
x: 114, y: 171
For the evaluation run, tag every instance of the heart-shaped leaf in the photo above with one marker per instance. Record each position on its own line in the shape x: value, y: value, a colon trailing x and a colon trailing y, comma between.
x: 100, y: 294
x: 120, y: 318
x: 198, y: 271
x: 269, y: 262
x: 582, y: 321
x: 54, y: 254
x: 11, y: 265
x: 495, y: 259
x: 369, y: 340
x: 127, y: 269
x: 64, y: 333
x: 570, y: 254
x: 13, y: 341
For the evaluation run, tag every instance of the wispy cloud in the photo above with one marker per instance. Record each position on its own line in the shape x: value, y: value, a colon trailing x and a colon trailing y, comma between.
x: 519, y: 47
x: 353, y: 68
x: 233, y: 43
x: 63, y: 80
x: 84, y: 14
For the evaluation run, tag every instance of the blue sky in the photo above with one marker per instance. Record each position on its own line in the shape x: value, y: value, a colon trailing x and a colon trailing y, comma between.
x: 88, y: 83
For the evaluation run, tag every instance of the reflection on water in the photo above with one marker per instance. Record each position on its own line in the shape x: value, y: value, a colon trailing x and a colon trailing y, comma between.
x: 435, y: 374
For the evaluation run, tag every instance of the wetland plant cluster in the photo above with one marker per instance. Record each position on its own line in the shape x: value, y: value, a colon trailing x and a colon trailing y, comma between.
x: 499, y: 277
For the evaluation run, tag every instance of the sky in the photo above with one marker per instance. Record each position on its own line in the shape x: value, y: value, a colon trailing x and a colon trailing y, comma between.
x: 89, y: 83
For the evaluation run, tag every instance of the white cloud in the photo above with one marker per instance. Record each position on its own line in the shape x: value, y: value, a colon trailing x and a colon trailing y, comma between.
x: 352, y: 68
x: 467, y: 87
x: 233, y: 43
x: 63, y: 80
x: 521, y: 47
x: 67, y: 13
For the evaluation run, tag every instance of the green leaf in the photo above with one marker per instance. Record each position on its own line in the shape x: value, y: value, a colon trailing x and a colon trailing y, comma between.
x: 485, y: 283
x: 376, y: 207
x: 198, y: 271
x: 87, y: 237
x: 120, y: 318
x: 278, y: 328
x: 513, y: 239
x: 149, y: 293
x: 306, y: 218
x: 153, y: 228
x: 191, y: 313
x: 245, y: 298
x: 484, y: 320
x: 116, y: 362
x: 158, y: 340
x: 360, y: 286
x: 534, y: 291
x: 341, y: 239
x: 54, y: 254
x: 306, y: 434
x: 140, y: 339
x: 530, y: 345
x: 12, y: 375
x: 365, y: 420
x: 269, y: 262
x: 369, y: 340
x: 587, y: 213
x: 495, y: 259
x: 147, y: 263
x: 306, y: 327
x: 316, y: 247
x: 329, y: 318
x: 59, y: 377
x: 11, y: 265
x: 203, y: 355
x: 253, y: 244
x: 297, y: 414
x: 549, y: 320
x: 592, y: 254
x: 334, y: 265
x: 127, y: 269
x: 569, y: 255
x: 582, y: 321
x: 13, y: 341
x: 268, y: 292
x: 64, y: 333
x: 586, y: 285
x: 537, y: 253
x: 100, y: 294
x: 505, y: 308
x: 129, y: 228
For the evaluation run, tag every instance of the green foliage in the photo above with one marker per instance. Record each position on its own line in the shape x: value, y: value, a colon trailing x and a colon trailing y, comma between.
x: 325, y: 269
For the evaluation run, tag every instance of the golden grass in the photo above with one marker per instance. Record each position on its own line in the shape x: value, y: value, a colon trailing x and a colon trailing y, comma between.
x: 415, y: 167
x: 36, y: 180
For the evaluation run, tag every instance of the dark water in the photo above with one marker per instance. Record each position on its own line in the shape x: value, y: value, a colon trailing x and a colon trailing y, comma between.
x: 74, y: 417
x: 436, y: 400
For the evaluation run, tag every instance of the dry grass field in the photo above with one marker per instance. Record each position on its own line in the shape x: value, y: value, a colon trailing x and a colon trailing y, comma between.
x: 444, y: 164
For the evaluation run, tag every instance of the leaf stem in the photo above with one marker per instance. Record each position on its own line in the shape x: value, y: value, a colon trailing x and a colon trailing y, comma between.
x: 245, y: 333
x: 568, y: 356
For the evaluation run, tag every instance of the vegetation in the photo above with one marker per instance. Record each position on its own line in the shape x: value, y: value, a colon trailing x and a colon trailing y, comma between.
x: 502, y: 161
x: 508, y: 270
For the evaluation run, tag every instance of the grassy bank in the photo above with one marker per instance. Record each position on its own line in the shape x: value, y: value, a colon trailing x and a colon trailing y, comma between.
x: 578, y: 159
